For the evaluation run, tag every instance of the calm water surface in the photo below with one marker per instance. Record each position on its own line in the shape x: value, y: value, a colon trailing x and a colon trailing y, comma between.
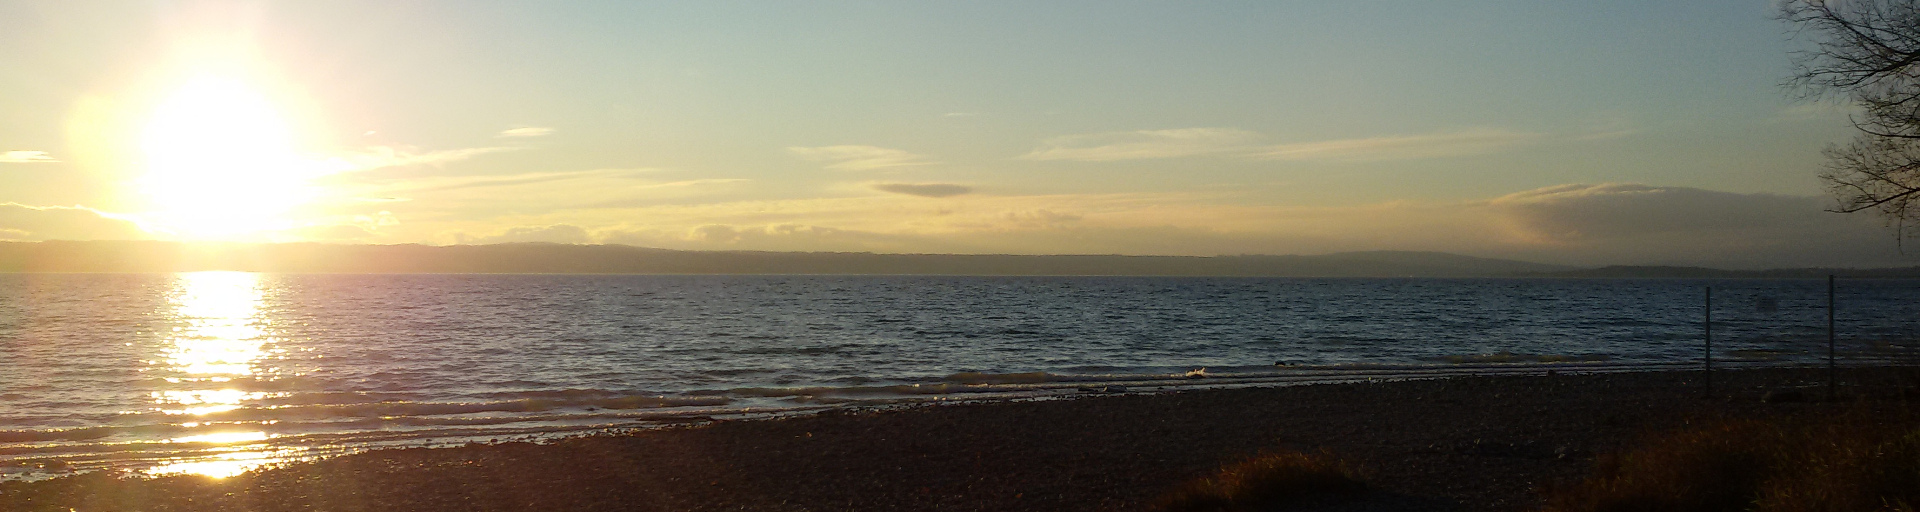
x: 217, y: 373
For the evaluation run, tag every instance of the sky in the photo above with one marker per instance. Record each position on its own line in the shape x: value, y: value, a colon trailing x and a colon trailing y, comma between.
x: 1582, y: 133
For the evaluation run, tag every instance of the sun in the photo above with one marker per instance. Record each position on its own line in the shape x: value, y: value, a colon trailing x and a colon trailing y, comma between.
x: 220, y: 162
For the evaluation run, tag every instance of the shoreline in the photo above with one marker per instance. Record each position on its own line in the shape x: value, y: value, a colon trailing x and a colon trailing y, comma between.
x: 31, y: 455
x: 1461, y: 443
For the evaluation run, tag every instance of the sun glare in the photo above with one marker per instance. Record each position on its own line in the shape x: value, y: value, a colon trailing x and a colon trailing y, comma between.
x: 221, y: 162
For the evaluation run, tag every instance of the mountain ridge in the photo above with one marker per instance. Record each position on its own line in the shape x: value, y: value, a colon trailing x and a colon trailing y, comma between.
x: 544, y: 258
x: 547, y: 258
x: 1686, y: 272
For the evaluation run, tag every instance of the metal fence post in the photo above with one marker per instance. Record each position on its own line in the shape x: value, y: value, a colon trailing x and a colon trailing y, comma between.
x: 1833, y: 379
x: 1709, y: 349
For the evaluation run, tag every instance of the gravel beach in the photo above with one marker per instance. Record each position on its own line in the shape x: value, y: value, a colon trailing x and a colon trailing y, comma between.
x: 1476, y: 443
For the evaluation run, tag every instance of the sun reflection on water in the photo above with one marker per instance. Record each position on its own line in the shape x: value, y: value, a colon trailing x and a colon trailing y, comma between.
x: 223, y: 465
x: 217, y: 347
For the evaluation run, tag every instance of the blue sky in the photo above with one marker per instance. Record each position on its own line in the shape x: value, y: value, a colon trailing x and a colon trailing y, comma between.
x: 1581, y: 132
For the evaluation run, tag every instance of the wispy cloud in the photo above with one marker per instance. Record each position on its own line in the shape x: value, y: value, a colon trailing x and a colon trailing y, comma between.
x: 1608, y: 135
x: 25, y: 157
x: 531, y: 193
x: 1646, y: 224
x: 334, y: 233
x: 695, y: 183
x: 774, y: 236
x: 30, y: 222
x: 1435, y: 145
x: 439, y: 184
x: 681, y: 187
x: 460, y: 182
x: 382, y: 157
x: 1572, y: 224
x: 1236, y: 143
x: 1615, y: 211
x: 75, y: 208
x: 527, y: 131
x: 924, y: 189
x: 554, y: 234
x: 1041, y: 218
x: 859, y: 158
x: 1144, y: 145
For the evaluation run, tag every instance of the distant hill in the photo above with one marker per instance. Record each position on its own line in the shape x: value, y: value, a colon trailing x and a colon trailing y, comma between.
x: 1623, y: 271
x: 131, y: 256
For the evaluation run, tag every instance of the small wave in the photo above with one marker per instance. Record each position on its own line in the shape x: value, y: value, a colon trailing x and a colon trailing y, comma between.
x: 816, y: 350
x: 896, y: 390
x: 735, y: 372
x: 332, y: 398
x: 1762, y: 354
x: 72, y: 434
x: 1509, y: 357
x: 558, y: 394
x: 405, y: 409
x: 1004, y: 378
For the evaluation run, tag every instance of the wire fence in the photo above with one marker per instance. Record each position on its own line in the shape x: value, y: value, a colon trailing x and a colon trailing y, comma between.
x: 1807, y: 332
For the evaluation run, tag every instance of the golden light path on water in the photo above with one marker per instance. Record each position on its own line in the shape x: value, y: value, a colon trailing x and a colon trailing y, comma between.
x: 219, y: 337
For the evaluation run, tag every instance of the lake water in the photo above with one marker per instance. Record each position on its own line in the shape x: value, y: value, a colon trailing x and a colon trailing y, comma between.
x: 218, y: 372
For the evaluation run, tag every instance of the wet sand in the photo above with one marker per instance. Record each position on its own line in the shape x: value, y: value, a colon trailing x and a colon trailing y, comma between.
x: 1482, y: 443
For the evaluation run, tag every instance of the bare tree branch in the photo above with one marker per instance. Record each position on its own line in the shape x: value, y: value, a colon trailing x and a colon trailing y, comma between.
x: 1867, y: 52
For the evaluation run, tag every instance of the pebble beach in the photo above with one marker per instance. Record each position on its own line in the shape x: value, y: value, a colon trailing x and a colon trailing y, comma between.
x: 1465, y: 443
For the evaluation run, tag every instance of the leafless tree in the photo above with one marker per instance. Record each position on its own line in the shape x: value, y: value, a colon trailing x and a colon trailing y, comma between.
x: 1866, y: 52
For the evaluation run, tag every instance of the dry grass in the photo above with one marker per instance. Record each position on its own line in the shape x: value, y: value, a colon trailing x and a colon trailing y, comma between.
x: 1736, y: 466
x: 1273, y: 481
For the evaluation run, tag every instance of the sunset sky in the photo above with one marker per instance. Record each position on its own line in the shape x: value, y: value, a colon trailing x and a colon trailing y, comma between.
x: 1607, y: 132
